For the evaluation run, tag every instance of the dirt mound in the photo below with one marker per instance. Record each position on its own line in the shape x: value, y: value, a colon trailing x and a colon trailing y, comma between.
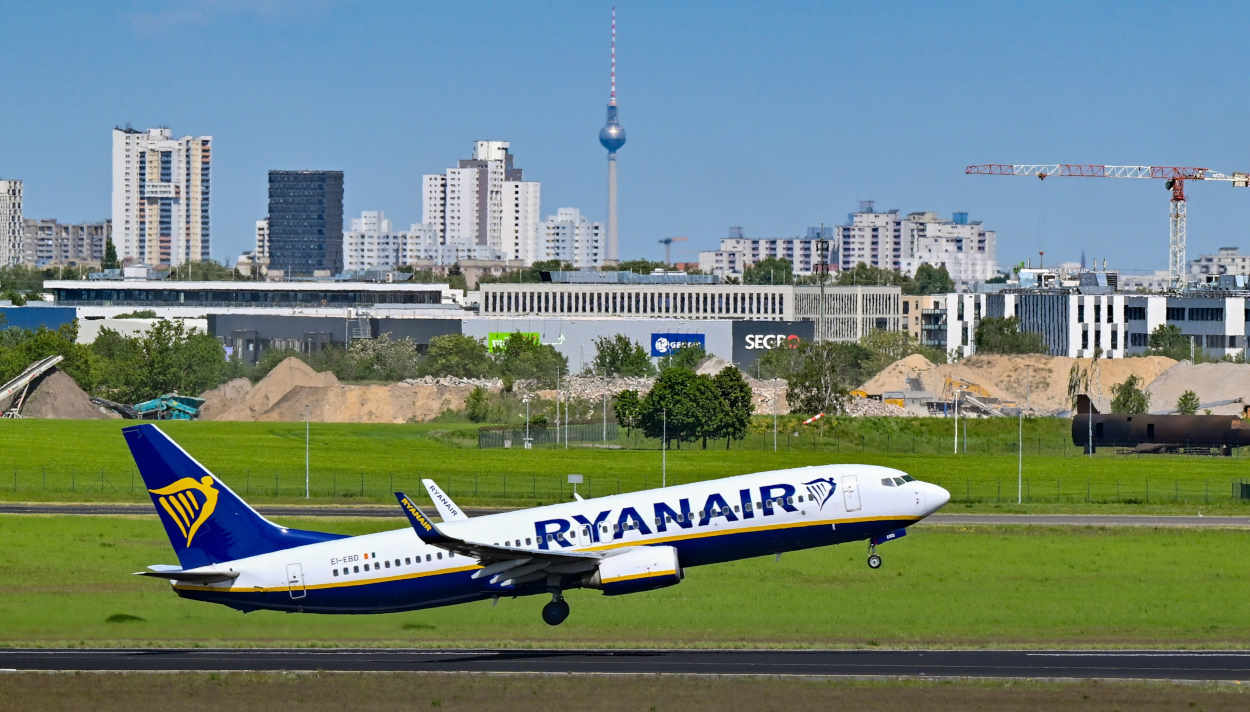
x: 1041, y: 379
x: 1213, y: 382
x: 221, y: 398
x: 291, y: 373
x: 395, y: 403
x: 58, y: 396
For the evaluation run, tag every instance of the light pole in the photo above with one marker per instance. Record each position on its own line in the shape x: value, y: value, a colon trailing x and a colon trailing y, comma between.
x: 774, y: 417
x: 305, y: 453
x: 526, y: 401
x: 664, y: 451
x: 956, y: 422
x: 605, y: 416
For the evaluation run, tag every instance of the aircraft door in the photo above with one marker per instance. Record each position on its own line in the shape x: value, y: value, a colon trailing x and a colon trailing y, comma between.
x: 850, y: 492
x: 295, y: 580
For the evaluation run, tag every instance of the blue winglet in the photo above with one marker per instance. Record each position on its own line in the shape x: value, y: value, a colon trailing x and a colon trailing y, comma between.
x: 425, y: 529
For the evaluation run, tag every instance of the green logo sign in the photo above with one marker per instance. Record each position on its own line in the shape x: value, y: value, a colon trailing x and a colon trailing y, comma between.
x: 495, y: 340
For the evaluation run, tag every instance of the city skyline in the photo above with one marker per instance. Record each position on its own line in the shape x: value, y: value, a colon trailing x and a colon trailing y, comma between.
x: 773, y: 121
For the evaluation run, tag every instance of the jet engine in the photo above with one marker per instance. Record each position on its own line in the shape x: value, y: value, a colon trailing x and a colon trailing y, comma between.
x: 640, y: 569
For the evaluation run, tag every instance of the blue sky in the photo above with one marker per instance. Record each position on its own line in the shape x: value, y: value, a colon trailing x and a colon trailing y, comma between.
x: 772, y: 116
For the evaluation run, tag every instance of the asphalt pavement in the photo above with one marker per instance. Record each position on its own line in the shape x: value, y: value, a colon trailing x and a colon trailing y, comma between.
x: 1176, y: 665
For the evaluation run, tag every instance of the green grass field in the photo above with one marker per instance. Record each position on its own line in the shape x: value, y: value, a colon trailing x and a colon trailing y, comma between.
x: 88, y: 460
x: 508, y: 693
x: 68, y: 582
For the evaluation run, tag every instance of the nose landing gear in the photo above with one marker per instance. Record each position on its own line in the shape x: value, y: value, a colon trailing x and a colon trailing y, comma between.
x: 556, y: 610
x: 874, y: 559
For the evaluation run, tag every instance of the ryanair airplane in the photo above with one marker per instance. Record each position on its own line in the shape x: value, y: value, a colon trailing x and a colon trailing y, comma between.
x: 625, y: 543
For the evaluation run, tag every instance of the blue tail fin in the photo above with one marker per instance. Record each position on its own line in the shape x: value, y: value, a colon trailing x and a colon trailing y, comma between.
x: 206, y: 521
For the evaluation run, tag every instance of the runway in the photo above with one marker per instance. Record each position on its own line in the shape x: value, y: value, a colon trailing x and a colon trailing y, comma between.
x: 1178, y: 665
x: 376, y: 510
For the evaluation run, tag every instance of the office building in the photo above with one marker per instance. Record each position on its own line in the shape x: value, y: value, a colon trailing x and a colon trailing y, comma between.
x: 11, y: 248
x: 306, y: 222
x: 1226, y: 260
x: 161, y: 189
x: 47, y: 242
x: 570, y: 237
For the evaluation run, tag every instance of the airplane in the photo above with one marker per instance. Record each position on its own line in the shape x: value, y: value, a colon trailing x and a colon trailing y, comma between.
x: 625, y: 543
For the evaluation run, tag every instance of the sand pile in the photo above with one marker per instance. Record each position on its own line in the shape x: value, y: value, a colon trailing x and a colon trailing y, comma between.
x: 221, y: 398
x: 395, y: 403
x: 1213, y: 382
x: 1044, y: 379
x: 289, y: 374
x: 57, y: 396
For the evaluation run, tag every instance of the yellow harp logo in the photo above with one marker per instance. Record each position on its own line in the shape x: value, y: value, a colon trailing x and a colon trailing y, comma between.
x: 183, y: 507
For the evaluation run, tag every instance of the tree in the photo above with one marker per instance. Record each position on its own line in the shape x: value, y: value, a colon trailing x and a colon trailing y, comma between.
x: 687, y: 357
x: 627, y: 408
x: 384, y: 358
x: 778, y: 363
x: 1003, y: 336
x: 206, y: 271
x: 686, y: 402
x: 110, y: 256
x: 636, y: 266
x: 930, y: 280
x: 771, y: 270
x: 477, y: 405
x: 863, y: 274
x: 457, y: 355
x: 1129, y: 398
x: 621, y: 356
x: 522, y: 358
x: 890, y: 346
x: 736, y: 400
x: 1188, y: 403
x: 826, y: 372
x: 1167, y: 340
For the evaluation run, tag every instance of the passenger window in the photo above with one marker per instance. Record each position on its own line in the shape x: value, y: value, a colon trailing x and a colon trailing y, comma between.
x: 746, y: 507
x: 440, y: 554
x: 407, y: 561
x: 357, y: 568
x: 758, y: 505
x: 527, y: 541
x: 366, y: 567
x: 336, y: 572
x: 427, y: 557
x: 388, y: 564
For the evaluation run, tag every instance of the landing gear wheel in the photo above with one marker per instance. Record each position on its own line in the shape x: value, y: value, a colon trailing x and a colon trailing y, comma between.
x: 874, y: 561
x: 555, y: 612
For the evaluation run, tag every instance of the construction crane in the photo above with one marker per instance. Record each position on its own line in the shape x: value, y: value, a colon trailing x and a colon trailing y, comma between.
x: 1174, y: 175
x: 668, y: 248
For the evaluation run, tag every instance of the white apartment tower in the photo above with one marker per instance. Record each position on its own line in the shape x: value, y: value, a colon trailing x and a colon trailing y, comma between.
x: 570, y: 237
x: 888, y: 240
x: 161, y: 196
x: 484, y: 203
x: 11, y: 225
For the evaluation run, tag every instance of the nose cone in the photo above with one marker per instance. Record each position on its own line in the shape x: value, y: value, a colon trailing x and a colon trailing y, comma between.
x: 935, y: 497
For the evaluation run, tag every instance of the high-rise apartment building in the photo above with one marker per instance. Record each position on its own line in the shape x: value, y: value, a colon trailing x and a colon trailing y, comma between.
x: 888, y: 240
x: 306, y: 222
x: 570, y: 237
x: 484, y: 202
x: 161, y: 188
x: 10, y: 221
x: 48, y: 242
x: 737, y: 252
x: 262, y: 240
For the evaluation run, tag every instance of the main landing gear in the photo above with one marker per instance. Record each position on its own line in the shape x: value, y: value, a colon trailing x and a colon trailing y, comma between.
x: 557, y: 610
x: 874, y: 559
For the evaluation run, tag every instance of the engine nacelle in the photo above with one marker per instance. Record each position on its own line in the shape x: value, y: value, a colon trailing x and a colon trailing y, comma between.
x: 640, y: 569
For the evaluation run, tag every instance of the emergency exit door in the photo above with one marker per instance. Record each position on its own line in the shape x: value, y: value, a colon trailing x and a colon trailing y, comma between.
x: 295, y: 580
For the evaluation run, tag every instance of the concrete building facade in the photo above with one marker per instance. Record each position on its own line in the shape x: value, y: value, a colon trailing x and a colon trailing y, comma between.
x: 161, y: 191
x: 889, y: 240
x: 11, y: 225
x: 48, y: 242
x: 738, y: 252
x: 1226, y: 260
x: 570, y: 237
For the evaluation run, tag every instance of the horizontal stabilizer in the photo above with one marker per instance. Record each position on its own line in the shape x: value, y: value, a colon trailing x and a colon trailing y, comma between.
x: 175, y: 573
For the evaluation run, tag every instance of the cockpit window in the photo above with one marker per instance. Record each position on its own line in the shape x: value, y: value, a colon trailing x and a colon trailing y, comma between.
x: 887, y: 481
x: 908, y: 478
x: 899, y: 481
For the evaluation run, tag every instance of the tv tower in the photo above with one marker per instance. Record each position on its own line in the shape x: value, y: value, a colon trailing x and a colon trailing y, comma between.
x: 612, y: 137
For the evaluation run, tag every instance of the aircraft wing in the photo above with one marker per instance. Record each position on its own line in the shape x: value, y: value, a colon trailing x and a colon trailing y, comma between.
x: 508, y: 566
x: 447, y: 509
x: 201, y: 575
